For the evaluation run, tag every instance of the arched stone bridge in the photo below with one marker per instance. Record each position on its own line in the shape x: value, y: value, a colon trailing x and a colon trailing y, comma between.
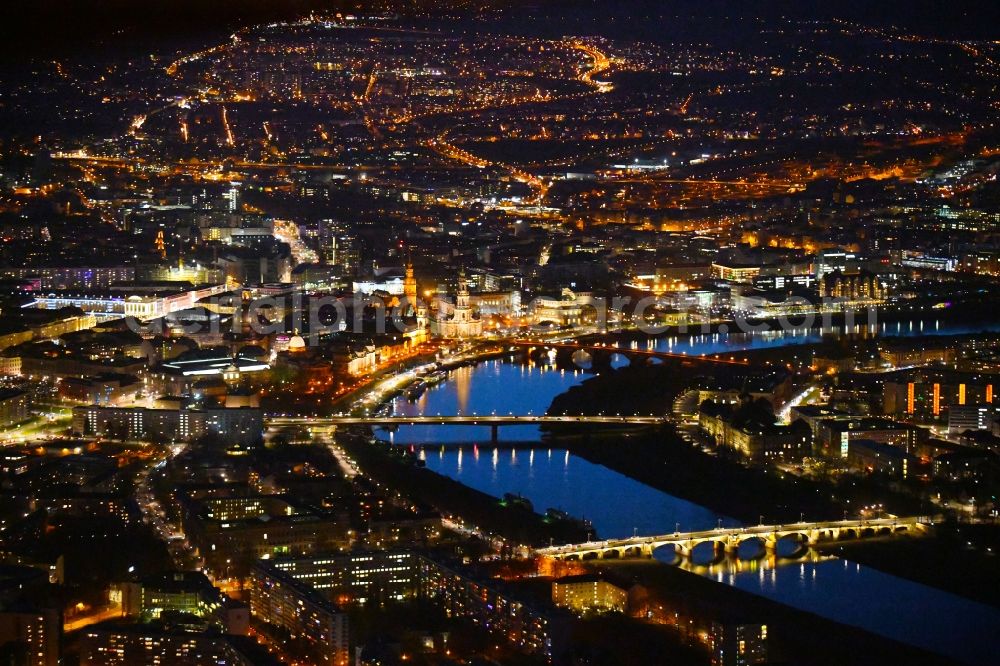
x: 728, y: 539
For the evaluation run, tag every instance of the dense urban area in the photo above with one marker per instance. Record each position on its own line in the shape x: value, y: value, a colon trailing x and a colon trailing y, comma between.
x: 501, y: 335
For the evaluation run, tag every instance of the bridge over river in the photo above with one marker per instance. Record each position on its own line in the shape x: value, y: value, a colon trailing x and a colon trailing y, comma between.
x: 492, y: 420
x: 728, y: 540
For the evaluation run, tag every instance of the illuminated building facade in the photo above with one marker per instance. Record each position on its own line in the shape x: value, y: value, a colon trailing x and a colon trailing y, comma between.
x: 735, y: 272
x: 585, y: 593
x: 738, y: 644
x: 459, y: 320
x: 228, y: 530
x: 38, y: 631
x: 834, y: 436
x: 872, y: 456
x: 238, y: 425
x: 75, y: 277
x: 930, y: 395
x: 527, y: 628
x: 188, y: 592
x: 126, y: 645
x: 925, y: 352
x: 754, y: 435
x: 13, y: 407
x: 279, y: 599
x: 374, y: 576
x: 114, y: 304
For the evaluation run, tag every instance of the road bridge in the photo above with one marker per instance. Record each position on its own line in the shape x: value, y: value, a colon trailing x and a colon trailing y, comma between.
x: 728, y: 539
x: 494, y: 421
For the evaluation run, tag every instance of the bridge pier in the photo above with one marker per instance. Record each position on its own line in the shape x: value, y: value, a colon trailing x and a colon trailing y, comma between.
x: 494, y: 433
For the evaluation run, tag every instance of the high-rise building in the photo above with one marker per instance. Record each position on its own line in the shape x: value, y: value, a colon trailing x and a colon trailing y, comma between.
x: 278, y: 599
x: 128, y: 644
x: 738, y: 644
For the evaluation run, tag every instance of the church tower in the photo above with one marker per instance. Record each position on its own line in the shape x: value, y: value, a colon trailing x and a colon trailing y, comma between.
x: 459, y: 320
x: 410, y: 286
x: 462, y: 297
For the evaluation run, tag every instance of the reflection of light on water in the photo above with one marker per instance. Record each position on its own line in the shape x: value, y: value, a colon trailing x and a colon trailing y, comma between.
x: 531, y: 458
x: 463, y: 386
x: 730, y: 567
x: 496, y: 458
x: 459, y: 463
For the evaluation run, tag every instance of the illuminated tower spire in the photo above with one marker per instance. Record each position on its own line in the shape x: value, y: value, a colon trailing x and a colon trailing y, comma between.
x: 462, y: 297
x: 160, y: 245
x: 410, y: 285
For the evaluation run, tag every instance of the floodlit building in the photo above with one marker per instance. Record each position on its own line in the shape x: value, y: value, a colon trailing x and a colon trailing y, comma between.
x: 458, y: 320
x: 586, y: 593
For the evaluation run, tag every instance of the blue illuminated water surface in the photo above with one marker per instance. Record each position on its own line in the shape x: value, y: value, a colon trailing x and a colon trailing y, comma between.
x: 620, y: 506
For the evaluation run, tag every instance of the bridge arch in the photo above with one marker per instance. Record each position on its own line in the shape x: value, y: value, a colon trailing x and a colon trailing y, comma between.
x: 792, y: 545
x: 669, y: 553
x: 708, y: 551
x: 751, y: 547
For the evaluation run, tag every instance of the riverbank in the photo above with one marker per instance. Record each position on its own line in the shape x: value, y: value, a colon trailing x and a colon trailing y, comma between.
x: 390, y: 466
x: 666, y: 462
x: 961, y: 559
x: 794, y: 636
x: 972, y: 315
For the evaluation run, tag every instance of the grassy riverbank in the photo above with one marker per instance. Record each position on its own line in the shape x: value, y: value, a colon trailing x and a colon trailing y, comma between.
x: 515, y: 523
x: 663, y: 460
x: 666, y: 462
x: 794, y: 636
x: 961, y: 559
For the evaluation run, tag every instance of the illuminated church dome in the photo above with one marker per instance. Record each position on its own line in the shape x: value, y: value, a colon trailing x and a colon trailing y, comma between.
x: 296, y: 344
